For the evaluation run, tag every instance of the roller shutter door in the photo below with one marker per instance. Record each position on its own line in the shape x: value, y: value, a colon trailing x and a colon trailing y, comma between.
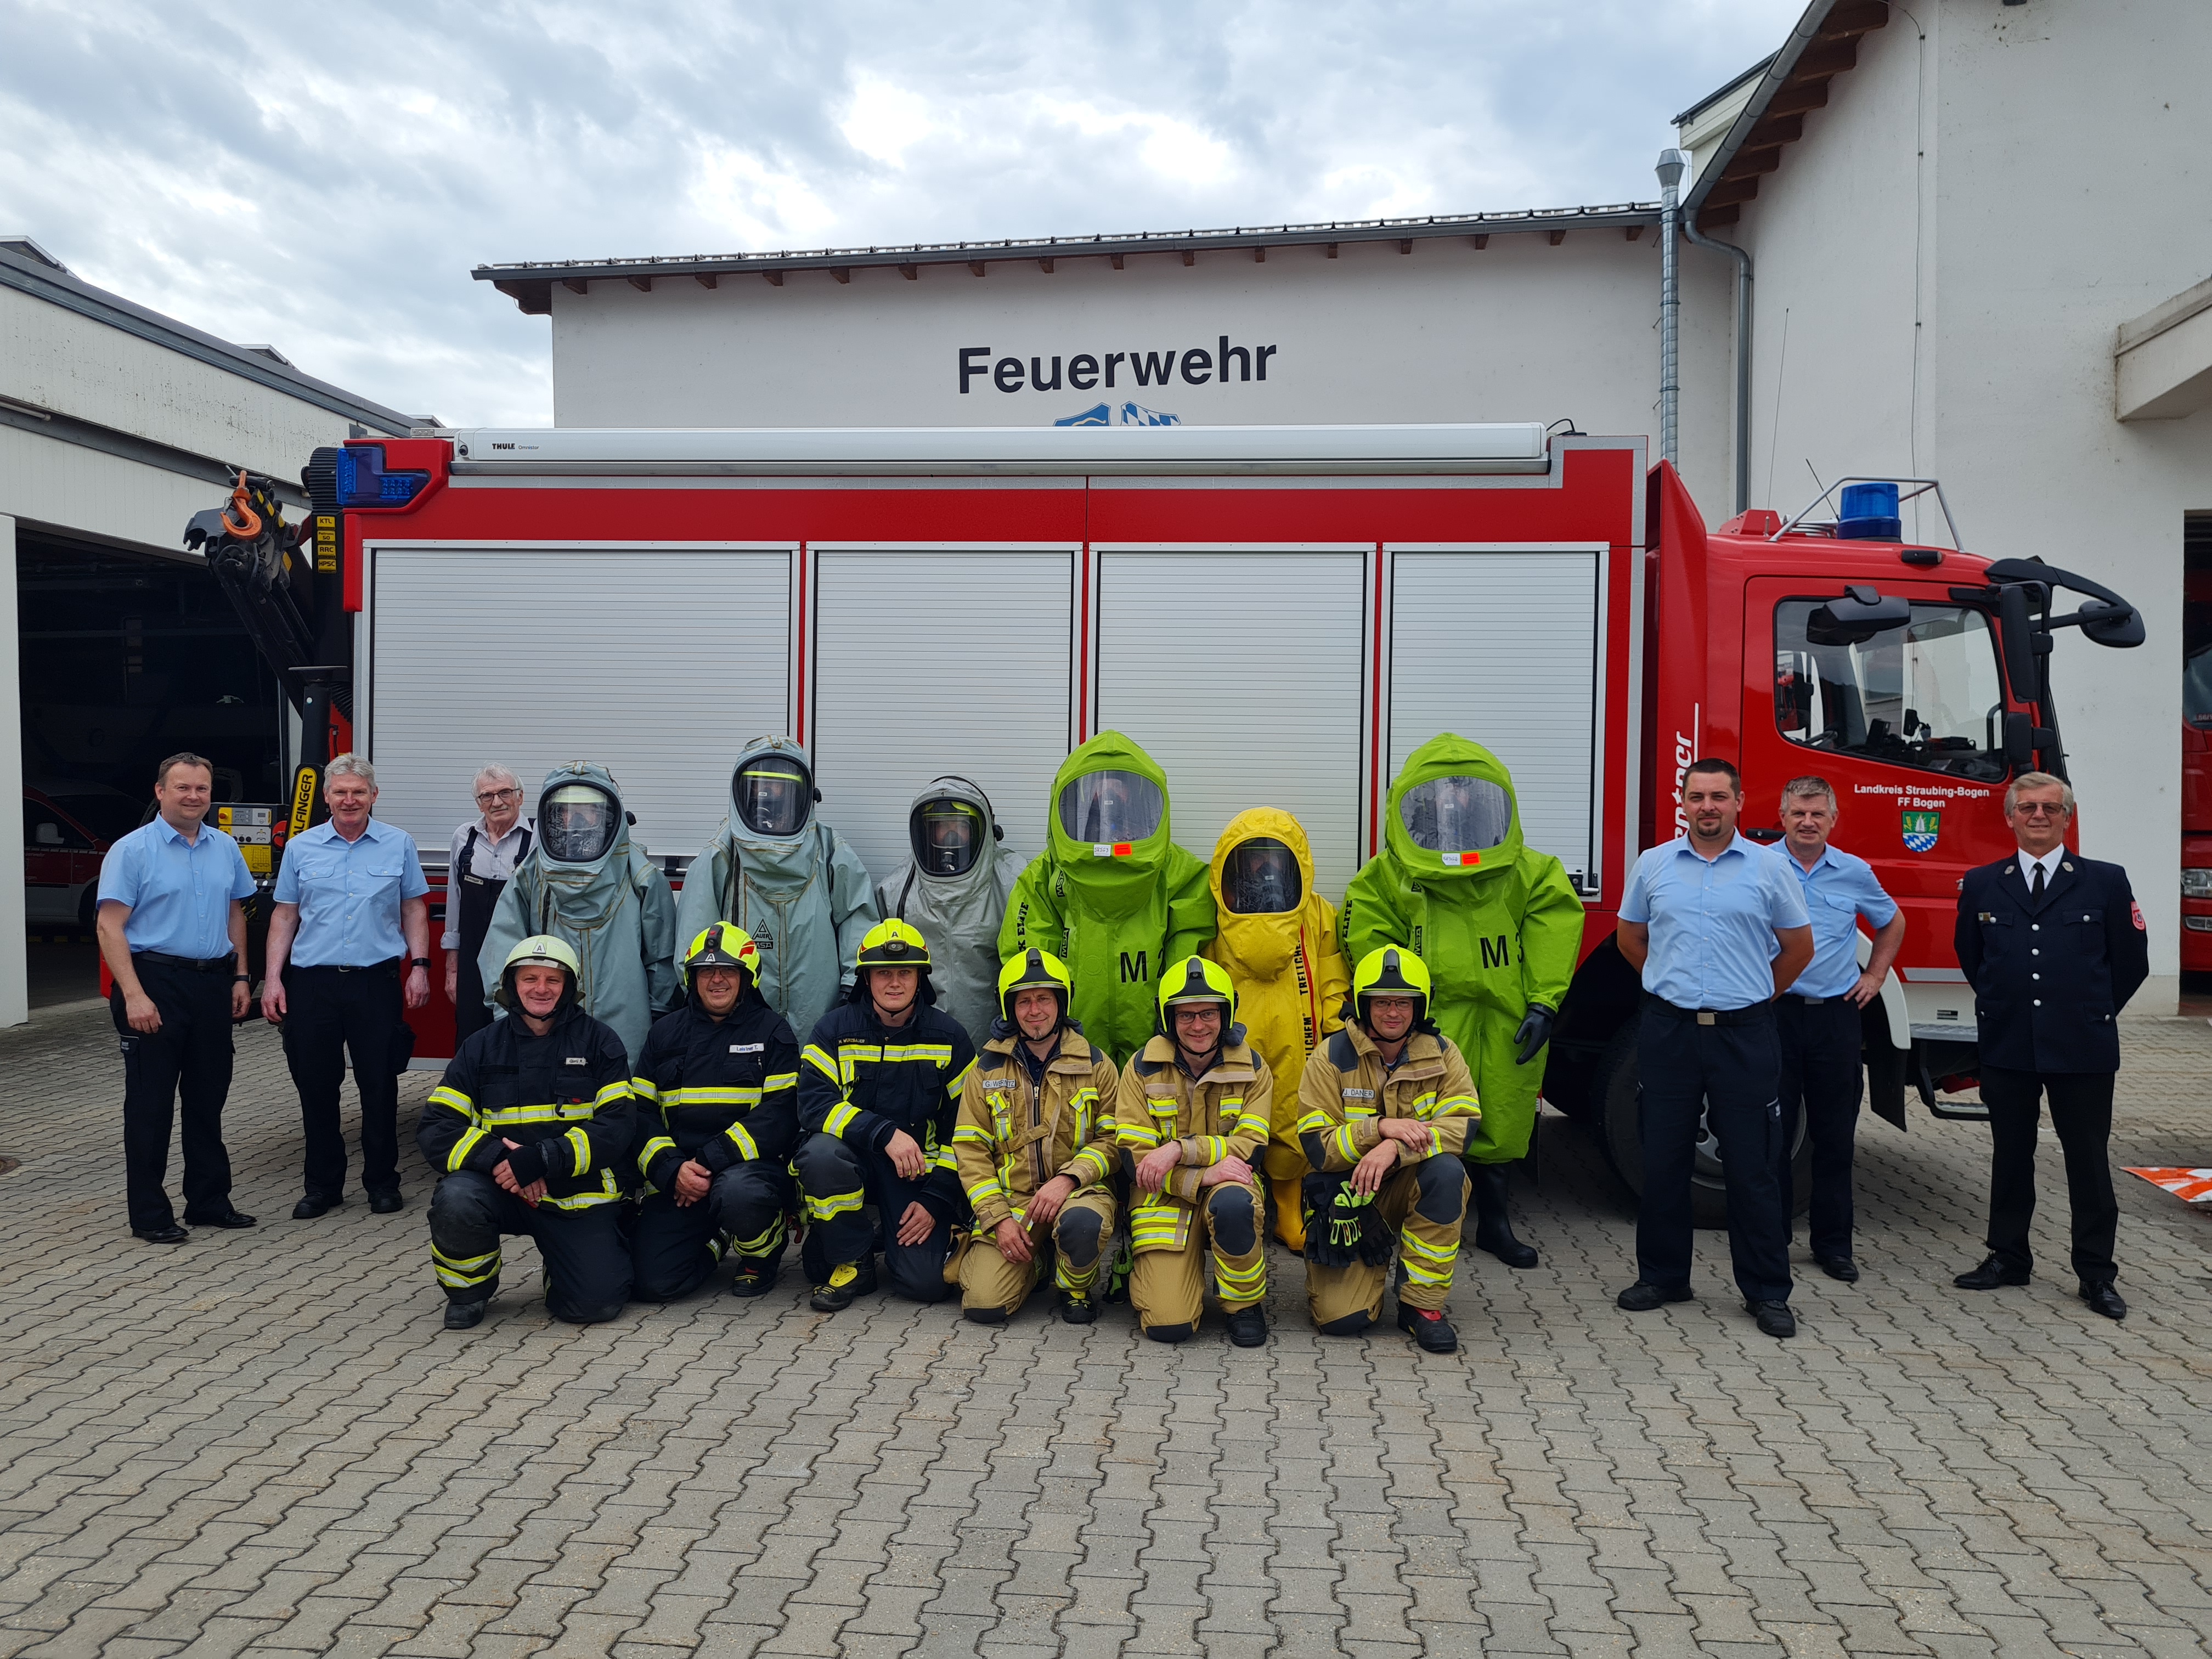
x: 657, y: 664
x: 1241, y: 674
x: 1503, y: 648
x: 929, y: 662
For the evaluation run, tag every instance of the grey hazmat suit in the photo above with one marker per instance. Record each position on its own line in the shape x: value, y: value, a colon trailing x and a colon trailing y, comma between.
x: 586, y: 881
x: 954, y: 888
x: 785, y: 878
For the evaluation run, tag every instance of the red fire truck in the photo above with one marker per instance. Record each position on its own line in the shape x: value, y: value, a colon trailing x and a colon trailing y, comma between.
x: 1280, y: 615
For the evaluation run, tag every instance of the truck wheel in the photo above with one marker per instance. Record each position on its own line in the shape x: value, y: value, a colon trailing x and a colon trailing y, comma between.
x: 87, y: 908
x: 1616, y: 1090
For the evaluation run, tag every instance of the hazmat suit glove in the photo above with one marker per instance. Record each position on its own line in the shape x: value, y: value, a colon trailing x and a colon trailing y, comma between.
x: 1535, y: 1032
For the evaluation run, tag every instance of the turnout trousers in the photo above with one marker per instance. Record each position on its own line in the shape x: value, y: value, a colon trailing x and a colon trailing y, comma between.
x: 2081, y: 1113
x: 840, y: 1181
x: 189, y: 1058
x: 1728, y: 1076
x: 1080, y: 1237
x: 588, y: 1268
x: 1822, y: 1077
x: 674, y: 1248
x: 1426, y: 1204
x: 334, y: 1014
x: 1167, y: 1283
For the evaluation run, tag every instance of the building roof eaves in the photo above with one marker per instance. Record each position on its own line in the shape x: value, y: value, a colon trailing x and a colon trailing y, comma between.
x: 1715, y: 96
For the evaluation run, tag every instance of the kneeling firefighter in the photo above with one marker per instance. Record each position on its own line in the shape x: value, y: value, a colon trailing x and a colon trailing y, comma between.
x: 1193, y: 1108
x: 1112, y: 895
x: 718, y: 1101
x: 1279, y: 942
x: 586, y: 884
x: 1500, y: 926
x: 787, y: 878
x: 526, y: 1129
x: 1035, y: 1149
x: 954, y: 890
x: 1385, y: 1110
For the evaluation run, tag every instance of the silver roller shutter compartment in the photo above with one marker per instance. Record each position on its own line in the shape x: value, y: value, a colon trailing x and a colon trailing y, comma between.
x: 1240, y: 673
x: 1502, y: 649
x: 657, y: 664
x: 929, y: 662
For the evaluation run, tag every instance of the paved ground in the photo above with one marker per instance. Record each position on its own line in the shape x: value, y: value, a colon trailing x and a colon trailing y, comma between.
x: 265, y: 1441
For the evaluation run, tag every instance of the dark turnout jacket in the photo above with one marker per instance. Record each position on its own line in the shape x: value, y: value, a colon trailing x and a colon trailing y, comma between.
x: 721, y: 1092
x: 564, y: 1097
x: 2049, y: 981
x: 862, y: 1081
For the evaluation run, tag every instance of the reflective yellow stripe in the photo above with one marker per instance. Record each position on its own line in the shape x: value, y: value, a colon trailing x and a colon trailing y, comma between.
x: 970, y: 1133
x: 653, y: 1148
x: 1315, y: 1122
x: 840, y: 1117
x: 1096, y: 1159
x: 461, y: 1273
x: 1136, y: 1134
x: 644, y: 1088
x: 1232, y: 1285
x: 607, y: 1193
x: 619, y: 1089
x: 1424, y: 1106
x: 459, y: 1157
x: 582, y: 1144
x: 781, y: 1080
x: 554, y: 1114
x: 939, y: 1053
x: 1249, y: 1125
x: 742, y: 1138
x: 454, y: 1100
x: 1458, y: 1106
x: 957, y: 1083
x: 1414, y: 1243
x: 987, y: 1188
x: 820, y: 1060
x: 837, y: 1204
x: 765, y: 1244
x: 1212, y: 1148
x: 944, y: 1160
x: 714, y: 1096
x: 1346, y: 1148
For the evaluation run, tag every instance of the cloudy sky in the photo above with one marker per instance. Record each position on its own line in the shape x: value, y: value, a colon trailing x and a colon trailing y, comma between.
x: 323, y: 178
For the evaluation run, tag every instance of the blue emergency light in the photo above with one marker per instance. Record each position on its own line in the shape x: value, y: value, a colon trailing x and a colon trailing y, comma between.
x: 1870, y: 514
x: 362, y: 481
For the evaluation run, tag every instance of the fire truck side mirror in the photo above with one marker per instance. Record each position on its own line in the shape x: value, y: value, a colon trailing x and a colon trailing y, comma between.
x: 2019, y: 741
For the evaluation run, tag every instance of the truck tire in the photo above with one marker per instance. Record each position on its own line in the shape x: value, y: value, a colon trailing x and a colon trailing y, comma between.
x: 1615, y: 1091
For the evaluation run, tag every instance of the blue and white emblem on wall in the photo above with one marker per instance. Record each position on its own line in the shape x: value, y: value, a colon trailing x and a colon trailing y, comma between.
x: 1127, y: 415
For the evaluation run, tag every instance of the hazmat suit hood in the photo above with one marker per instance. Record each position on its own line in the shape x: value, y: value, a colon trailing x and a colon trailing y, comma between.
x: 1110, y: 850
x: 803, y: 897
x: 608, y: 901
x: 1260, y: 944
x: 958, y: 914
x: 1453, y: 815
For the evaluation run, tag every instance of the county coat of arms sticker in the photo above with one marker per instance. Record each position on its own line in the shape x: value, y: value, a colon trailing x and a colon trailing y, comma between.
x: 1921, y: 829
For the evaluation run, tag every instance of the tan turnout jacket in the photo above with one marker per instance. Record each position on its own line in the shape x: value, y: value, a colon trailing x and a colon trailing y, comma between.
x: 1225, y: 1114
x: 1012, y: 1136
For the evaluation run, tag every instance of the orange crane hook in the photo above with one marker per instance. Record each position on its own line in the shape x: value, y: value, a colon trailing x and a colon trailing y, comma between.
x: 250, y: 521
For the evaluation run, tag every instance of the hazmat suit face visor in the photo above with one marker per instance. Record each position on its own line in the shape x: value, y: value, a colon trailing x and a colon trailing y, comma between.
x: 1104, y: 807
x: 577, y: 823
x: 1261, y: 878
x: 947, y: 836
x: 774, y: 795
x: 1456, y: 814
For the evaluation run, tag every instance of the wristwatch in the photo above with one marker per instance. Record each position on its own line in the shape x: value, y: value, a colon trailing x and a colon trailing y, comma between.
x: 422, y: 962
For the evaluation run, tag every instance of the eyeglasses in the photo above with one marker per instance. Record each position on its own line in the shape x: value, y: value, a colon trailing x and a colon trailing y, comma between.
x: 492, y: 797
x: 2037, y: 809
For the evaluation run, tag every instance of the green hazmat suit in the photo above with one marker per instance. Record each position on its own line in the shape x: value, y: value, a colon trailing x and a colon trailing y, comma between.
x: 1499, y: 924
x: 1111, y: 896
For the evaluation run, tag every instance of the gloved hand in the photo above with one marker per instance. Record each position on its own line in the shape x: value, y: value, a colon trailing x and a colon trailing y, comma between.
x: 528, y: 1161
x: 1536, y: 1031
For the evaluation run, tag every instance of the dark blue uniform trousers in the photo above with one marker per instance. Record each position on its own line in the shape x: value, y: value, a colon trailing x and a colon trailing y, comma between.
x: 2081, y: 1112
x: 829, y: 1166
x: 1823, y: 1076
x: 1730, y: 1075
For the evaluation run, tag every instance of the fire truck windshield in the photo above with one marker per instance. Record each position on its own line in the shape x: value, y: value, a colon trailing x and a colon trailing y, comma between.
x: 1927, y: 695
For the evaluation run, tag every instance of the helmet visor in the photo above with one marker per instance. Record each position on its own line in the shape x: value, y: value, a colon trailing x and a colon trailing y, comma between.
x: 1104, y: 807
x: 1456, y: 814
x: 947, y: 836
x: 577, y: 823
x: 1260, y: 877
x: 773, y: 794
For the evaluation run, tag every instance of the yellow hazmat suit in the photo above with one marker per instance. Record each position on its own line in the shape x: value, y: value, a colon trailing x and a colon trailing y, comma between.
x: 1279, y: 942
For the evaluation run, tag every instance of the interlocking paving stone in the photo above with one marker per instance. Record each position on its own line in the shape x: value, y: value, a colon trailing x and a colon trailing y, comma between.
x: 263, y: 1442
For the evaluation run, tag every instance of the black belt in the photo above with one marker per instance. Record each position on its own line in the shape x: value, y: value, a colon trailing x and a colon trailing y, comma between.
x: 1751, y: 1015
x: 191, y: 964
x: 390, y: 965
x: 1810, y: 1002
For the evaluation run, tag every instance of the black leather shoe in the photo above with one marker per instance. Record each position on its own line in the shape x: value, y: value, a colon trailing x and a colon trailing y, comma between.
x: 1774, y: 1317
x: 1642, y: 1298
x: 231, y: 1218
x: 2104, y: 1300
x: 311, y: 1207
x: 171, y: 1234
x: 1247, y: 1325
x: 465, y: 1315
x: 1428, y: 1327
x: 1991, y: 1273
x: 1838, y: 1266
x: 386, y: 1203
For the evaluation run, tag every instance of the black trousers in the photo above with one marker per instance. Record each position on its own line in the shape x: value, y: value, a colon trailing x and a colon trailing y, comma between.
x: 674, y: 1248
x: 333, y: 1013
x: 1728, y: 1075
x: 190, y: 1056
x: 1823, y: 1078
x: 832, y: 1172
x: 2081, y: 1112
x: 587, y: 1273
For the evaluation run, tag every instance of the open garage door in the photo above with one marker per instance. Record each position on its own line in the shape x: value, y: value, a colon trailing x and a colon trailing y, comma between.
x: 657, y: 663
x: 1240, y: 672
x: 1503, y: 647
x: 931, y: 660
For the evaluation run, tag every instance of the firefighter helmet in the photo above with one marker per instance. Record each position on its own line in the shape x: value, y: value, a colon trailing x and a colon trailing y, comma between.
x: 1032, y: 969
x: 723, y: 945
x: 894, y: 944
x: 1391, y: 970
x: 539, y: 950
x: 1196, y: 980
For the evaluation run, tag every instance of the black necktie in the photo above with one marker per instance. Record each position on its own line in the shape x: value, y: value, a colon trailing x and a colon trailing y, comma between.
x: 2035, y: 891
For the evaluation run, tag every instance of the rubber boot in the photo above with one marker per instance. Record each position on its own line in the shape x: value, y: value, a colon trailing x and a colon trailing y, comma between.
x: 1290, y: 1211
x: 1493, y: 1227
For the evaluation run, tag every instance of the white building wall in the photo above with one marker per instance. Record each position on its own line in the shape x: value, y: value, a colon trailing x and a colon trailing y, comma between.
x: 14, y: 974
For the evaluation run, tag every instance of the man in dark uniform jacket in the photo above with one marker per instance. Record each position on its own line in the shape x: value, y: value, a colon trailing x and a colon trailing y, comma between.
x: 2054, y: 946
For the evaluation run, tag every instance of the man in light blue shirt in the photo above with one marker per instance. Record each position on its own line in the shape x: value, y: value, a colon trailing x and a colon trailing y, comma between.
x: 1718, y: 930
x: 352, y: 927
x: 173, y: 933
x: 1818, y: 1018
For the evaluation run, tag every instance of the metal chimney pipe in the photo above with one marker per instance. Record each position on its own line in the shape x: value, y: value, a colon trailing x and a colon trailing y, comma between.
x: 1672, y: 165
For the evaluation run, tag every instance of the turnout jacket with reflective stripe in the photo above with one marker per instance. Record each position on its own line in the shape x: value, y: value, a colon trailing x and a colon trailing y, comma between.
x: 1225, y: 1114
x: 571, y: 1085
x: 862, y: 1081
x: 1346, y: 1092
x: 1015, y: 1132
x: 721, y: 1092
